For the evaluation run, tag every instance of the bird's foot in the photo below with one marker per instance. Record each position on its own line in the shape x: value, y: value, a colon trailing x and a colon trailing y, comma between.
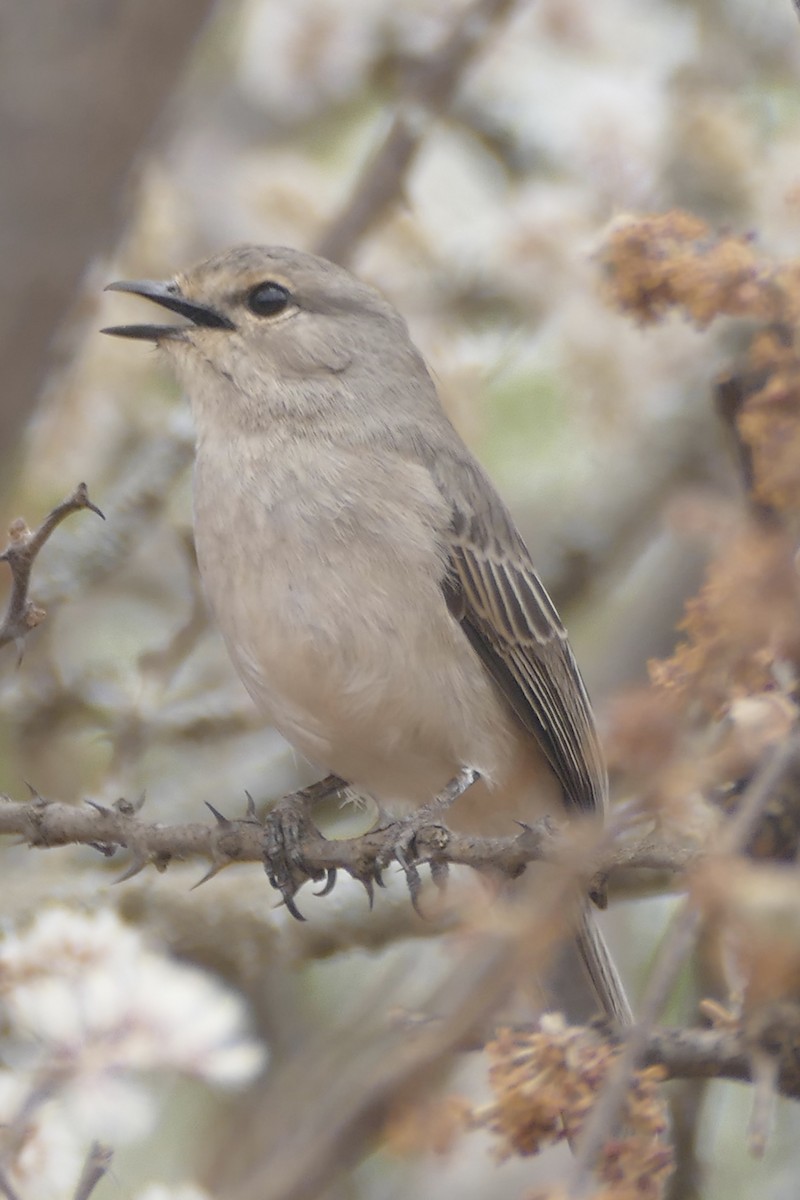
x: 288, y: 828
x: 416, y: 837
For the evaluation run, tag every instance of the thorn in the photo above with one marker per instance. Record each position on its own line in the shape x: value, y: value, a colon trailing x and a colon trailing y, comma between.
x: 330, y: 883
x: 213, y: 870
x: 221, y: 820
x: 250, y: 811
x: 35, y: 795
x: 136, y: 866
x: 82, y: 498
x: 103, y: 809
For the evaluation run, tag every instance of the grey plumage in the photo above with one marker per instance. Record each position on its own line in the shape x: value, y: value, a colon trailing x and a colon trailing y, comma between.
x: 370, y: 584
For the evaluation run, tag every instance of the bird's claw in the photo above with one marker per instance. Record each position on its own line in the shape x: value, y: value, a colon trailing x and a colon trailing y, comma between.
x: 405, y: 849
x: 329, y: 884
x: 286, y: 827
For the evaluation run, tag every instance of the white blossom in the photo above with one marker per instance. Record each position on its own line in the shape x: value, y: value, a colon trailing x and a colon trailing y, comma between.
x: 87, y: 1003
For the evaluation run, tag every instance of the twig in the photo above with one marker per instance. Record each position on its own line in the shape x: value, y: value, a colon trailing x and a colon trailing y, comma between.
x: 717, y: 1054
x: 22, y: 615
x: 6, y: 1189
x: 97, y: 1164
x: 144, y: 482
x: 765, y: 1069
x: 429, y: 92
x: 674, y: 949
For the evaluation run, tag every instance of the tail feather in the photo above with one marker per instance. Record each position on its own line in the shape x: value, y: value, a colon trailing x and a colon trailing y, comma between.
x: 601, y: 970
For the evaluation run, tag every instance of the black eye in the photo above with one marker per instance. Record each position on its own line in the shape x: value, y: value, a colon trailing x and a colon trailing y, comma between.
x: 267, y: 299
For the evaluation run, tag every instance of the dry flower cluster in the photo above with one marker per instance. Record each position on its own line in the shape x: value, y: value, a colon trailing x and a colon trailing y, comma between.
x: 546, y: 1081
x: 729, y: 691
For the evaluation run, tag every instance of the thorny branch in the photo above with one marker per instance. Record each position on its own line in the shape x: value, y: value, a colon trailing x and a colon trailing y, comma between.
x: 22, y: 615
x: 49, y: 823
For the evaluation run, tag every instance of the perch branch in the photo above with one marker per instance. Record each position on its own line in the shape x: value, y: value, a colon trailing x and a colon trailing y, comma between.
x: 48, y: 823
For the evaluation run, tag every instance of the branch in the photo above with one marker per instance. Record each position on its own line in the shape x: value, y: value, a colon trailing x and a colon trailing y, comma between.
x: 134, y: 502
x: 719, y: 1054
x: 22, y: 615
x: 429, y: 92
x: 49, y: 823
x: 96, y: 1166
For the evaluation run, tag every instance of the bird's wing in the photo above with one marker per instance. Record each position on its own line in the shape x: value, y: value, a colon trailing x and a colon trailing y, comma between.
x: 493, y: 590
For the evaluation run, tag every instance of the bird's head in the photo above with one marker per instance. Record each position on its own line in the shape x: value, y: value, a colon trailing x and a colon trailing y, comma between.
x: 265, y: 320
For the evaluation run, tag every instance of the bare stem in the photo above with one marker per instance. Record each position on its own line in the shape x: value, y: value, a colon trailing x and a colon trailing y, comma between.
x: 22, y: 615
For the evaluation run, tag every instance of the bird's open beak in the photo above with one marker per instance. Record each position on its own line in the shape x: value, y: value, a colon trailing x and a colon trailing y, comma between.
x: 168, y: 295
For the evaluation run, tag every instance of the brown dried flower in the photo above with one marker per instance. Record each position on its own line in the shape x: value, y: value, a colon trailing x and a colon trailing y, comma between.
x: 545, y: 1083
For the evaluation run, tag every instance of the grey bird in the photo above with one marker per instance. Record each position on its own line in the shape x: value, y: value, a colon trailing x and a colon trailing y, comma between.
x: 371, y: 587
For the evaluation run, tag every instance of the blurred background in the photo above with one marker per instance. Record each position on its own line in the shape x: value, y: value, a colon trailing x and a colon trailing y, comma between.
x: 470, y: 169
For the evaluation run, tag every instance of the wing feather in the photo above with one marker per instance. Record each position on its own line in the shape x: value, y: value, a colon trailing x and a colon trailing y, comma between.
x: 511, y: 622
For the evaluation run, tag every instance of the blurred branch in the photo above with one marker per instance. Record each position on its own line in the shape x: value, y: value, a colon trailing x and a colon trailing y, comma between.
x: 66, y: 70
x: 6, y: 1188
x: 721, y: 1054
x: 22, y: 615
x: 337, y: 1092
x: 429, y: 91
x: 332, y: 1099
x: 98, y: 1164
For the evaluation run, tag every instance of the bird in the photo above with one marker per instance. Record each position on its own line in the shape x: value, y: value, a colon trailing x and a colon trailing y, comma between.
x: 371, y: 587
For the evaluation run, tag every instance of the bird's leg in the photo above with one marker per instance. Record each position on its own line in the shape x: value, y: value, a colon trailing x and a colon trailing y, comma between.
x: 286, y: 827
x: 459, y: 784
x: 403, y: 846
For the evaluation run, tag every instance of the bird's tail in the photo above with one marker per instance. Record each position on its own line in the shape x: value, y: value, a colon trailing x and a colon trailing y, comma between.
x: 601, y: 970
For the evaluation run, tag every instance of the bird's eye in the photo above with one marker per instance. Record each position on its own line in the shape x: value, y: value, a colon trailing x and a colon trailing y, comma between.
x: 267, y: 299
